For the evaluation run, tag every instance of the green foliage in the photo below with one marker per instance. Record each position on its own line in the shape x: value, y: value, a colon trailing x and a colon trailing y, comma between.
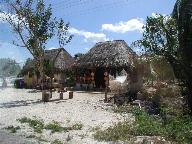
x: 36, y: 124
x: 70, y: 81
x: 77, y: 126
x: 145, y: 124
x: 121, y: 109
x: 183, y: 15
x: 162, y: 68
x: 54, y: 127
x: 12, y: 129
x: 170, y: 37
x: 35, y: 27
x: 160, y: 36
x: 160, y: 39
x: 29, y: 66
x: 48, y: 68
x: 119, y: 131
x: 57, y: 141
x: 176, y: 128
x: 78, y: 55
x: 9, y: 67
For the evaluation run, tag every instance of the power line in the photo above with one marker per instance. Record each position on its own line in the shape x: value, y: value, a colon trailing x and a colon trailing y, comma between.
x: 70, y: 4
x: 97, y: 8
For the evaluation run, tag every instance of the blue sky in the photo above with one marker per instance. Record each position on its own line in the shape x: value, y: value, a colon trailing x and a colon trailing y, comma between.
x: 92, y: 21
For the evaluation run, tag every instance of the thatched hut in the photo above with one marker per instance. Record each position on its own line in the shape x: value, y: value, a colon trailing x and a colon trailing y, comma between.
x: 109, y: 57
x: 56, y: 62
x: 61, y: 59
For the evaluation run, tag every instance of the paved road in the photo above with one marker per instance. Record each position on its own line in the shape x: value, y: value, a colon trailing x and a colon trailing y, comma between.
x: 9, y: 138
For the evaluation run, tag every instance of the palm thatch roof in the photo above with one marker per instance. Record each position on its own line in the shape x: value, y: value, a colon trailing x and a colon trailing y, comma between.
x: 110, y: 53
x: 60, y: 59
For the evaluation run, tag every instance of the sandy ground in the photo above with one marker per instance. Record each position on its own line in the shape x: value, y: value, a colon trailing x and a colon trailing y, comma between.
x: 85, y: 108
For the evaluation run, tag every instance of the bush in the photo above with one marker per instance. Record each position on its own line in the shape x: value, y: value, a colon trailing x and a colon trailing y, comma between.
x: 36, y: 124
x: 54, y: 127
x: 179, y: 129
x: 176, y: 128
x: 119, y: 131
x: 145, y: 124
x: 121, y: 109
x: 57, y: 142
x: 12, y: 129
x: 77, y: 126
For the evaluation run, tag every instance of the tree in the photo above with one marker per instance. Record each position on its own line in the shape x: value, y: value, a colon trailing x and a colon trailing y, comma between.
x: 183, y: 15
x: 78, y: 55
x: 165, y: 36
x: 160, y: 38
x: 9, y: 67
x: 33, y: 23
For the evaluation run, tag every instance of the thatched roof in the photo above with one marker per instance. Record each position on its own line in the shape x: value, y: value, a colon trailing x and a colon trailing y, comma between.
x: 63, y: 60
x: 110, y: 53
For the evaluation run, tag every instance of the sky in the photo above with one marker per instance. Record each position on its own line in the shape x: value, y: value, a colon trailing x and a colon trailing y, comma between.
x: 91, y: 21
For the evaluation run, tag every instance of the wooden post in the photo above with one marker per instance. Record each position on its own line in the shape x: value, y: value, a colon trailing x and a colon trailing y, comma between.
x: 45, y: 96
x: 70, y: 95
x: 61, y: 95
x: 105, y: 100
x: 106, y: 86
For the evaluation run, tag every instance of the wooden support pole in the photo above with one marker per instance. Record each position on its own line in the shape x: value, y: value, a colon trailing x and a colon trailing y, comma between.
x: 70, y: 95
x: 106, y: 86
x: 61, y: 95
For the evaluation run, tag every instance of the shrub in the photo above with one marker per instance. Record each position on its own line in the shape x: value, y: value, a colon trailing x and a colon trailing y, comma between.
x: 36, y: 124
x: 119, y: 131
x: 12, y: 129
x: 57, y: 142
x: 176, y: 128
x: 179, y: 128
x: 77, y: 126
x: 145, y: 124
x: 54, y: 127
x: 121, y: 109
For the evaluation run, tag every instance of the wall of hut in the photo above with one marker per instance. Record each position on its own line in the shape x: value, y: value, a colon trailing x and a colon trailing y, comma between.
x: 95, y: 78
x: 30, y: 80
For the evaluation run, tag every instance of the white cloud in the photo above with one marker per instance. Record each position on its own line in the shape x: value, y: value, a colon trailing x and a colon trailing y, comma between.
x: 8, y: 16
x: 89, y: 36
x: 13, y: 52
x: 123, y: 27
x: 87, y: 48
x: 156, y: 15
x: 52, y: 48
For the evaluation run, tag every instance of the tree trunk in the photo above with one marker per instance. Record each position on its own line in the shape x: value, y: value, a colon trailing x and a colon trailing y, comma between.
x: 189, y: 97
x: 42, y: 75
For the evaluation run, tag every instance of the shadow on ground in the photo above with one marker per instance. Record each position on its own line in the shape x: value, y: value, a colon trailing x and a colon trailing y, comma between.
x: 90, y: 92
x: 19, y: 103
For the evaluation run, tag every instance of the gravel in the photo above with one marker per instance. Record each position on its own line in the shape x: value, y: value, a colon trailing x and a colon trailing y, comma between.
x: 85, y: 108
